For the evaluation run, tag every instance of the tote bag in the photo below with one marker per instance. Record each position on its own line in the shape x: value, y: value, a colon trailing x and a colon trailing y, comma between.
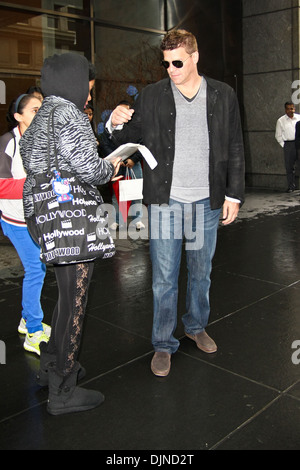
x: 131, y: 188
x: 70, y: 223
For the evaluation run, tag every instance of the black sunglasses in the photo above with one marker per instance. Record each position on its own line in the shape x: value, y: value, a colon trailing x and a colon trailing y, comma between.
x: 177, y: 63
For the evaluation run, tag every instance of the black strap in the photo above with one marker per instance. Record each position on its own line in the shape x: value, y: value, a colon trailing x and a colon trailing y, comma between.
x: 50, y: 127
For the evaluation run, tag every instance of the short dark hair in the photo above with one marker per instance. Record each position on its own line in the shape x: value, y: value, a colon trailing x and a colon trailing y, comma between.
x: 89, y: 106
x: 179, y: 38
x: 31, y: 90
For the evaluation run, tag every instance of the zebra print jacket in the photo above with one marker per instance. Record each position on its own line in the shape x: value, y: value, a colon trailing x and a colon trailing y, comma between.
x: 75, y: 142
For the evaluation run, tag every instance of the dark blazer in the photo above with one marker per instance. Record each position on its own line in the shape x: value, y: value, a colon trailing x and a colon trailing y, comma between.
x: 153, y: 124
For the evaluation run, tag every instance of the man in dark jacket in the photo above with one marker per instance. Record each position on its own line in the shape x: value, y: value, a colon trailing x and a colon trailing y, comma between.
x: 191, y: 124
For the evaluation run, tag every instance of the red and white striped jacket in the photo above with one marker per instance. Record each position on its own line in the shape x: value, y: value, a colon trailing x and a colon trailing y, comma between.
x: 12, y: 178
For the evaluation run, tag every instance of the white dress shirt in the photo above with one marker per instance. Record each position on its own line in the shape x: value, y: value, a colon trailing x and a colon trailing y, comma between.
x: 286, y: 128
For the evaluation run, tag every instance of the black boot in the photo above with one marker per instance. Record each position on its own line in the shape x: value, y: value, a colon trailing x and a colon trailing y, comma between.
x: 42, y: 377
x: 65, y: 397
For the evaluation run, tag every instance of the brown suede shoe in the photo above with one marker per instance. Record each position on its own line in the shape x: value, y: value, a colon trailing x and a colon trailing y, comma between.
x: 204, y: 342
x: 161, y: 364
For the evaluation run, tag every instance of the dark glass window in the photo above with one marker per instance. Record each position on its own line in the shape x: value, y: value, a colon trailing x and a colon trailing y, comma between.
x: 24, y: 52
x: 26, y: 40
x: 124, y: 69
x: 136, y: 13
x: 77, y: 7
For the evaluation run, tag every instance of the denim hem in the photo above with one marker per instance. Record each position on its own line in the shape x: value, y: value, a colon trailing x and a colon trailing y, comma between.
x: 194, y: 332
x: 163, y: 350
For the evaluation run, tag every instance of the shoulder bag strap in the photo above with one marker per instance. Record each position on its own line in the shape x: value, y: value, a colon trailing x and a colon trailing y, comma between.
x: 50, y: 128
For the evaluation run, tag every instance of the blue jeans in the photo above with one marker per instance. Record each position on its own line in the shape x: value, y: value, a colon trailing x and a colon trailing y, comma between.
x: 35, y: 271
x: 169, y: 226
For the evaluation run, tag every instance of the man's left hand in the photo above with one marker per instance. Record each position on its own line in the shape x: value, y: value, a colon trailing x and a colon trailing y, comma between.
x: 230, y: 212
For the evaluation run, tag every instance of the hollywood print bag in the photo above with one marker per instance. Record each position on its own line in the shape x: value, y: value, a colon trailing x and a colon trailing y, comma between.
x: 70, y: 223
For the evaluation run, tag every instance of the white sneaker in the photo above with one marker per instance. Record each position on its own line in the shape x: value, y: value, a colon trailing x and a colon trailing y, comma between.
x: 139, y: 226
x: 22, y: 327
x: 32, y: 342
x: 23, y: 330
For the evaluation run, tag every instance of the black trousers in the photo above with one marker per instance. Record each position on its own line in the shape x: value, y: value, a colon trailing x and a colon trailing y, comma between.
x: 73, y: 282
x: 290, y: 159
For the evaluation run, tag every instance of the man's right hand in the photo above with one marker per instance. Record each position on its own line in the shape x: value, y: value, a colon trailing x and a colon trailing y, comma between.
x: 121, y: 115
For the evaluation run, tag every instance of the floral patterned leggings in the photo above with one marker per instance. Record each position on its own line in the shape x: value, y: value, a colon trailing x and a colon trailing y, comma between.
x: 73, y: 282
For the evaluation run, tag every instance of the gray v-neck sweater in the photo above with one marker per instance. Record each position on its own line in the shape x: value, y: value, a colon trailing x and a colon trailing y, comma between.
x: 191, y: 164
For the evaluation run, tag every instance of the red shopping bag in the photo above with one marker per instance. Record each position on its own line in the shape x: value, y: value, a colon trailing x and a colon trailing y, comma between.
x: 123, y: 205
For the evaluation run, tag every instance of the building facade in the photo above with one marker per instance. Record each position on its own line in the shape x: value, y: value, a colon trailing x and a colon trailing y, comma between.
x: 120, y: 37
x: 251, y: 45
x: 270, y: 79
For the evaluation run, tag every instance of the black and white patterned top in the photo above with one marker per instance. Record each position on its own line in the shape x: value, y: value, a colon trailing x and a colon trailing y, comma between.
x: 75, y: 142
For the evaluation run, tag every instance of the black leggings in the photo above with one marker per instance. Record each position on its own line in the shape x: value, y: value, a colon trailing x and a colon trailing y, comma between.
x: 73, y: 282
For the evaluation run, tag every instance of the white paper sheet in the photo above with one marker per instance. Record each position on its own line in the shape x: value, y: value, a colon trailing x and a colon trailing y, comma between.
x: 126, y: 150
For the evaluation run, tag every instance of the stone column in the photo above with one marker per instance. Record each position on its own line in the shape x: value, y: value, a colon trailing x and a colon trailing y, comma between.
x: 270, y: 67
